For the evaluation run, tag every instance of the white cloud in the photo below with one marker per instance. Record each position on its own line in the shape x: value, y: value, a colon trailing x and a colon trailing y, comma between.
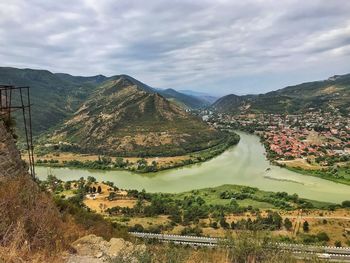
x: 223, y: 46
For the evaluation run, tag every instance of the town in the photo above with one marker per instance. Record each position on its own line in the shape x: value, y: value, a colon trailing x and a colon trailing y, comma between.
x: 314, y: 140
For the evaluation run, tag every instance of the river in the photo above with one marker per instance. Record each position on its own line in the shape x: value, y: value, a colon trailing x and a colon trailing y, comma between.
x: 243, y: 164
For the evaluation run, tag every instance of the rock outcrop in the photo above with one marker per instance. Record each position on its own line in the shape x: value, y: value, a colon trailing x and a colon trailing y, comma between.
x: 10, y: 158
x: 94, y: 249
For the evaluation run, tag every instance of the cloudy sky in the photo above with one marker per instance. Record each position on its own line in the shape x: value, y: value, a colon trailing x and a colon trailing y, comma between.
x: 216, y: 46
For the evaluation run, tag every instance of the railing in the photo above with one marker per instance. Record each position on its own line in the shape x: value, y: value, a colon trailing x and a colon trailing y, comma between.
x: 337, y: 253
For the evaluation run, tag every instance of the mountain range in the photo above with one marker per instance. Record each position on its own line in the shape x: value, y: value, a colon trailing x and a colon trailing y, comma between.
x: 330, y: 94
x: 121, y: 115
x: 56, y: 96
x: 116, y: 115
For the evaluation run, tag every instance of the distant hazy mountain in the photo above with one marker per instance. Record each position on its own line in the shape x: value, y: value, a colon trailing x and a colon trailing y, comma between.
x: 327, y: 94
x: 123, y: 116
x: 184, y: 100
x: 201, y: 95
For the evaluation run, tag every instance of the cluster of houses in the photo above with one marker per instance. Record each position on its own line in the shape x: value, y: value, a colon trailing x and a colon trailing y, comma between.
x: 316, y: 134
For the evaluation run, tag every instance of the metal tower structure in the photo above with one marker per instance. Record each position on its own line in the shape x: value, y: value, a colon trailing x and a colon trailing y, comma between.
x: 12, y: 99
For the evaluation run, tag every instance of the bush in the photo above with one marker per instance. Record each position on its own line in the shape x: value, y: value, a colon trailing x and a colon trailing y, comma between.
x: 306, y: 226
x: 346, y: 204
x: 288, y: 224
x: 337, y: 243
x: 322, y: 236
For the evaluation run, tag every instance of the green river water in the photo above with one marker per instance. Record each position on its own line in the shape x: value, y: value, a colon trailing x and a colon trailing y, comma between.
x: 243, y: 164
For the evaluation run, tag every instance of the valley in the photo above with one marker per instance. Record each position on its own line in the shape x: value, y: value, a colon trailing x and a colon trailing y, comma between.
x: 243, y: 164
x: 174, y: 131
x: 161, y: 161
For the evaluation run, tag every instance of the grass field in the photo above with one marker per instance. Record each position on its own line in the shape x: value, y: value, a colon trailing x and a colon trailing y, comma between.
x: 212, y: 197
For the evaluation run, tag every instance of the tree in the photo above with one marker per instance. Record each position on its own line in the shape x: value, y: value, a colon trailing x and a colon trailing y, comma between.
x: 112, y: 196
x: 223, y: 223
x: 306, y: 226
x: 346, y: 203
x: 214, y: 225
x: 67, y: 185
x: 91, y: 179
x: 119, y: 162
x: 288, y: 224
x: 99, y: 189
x: 233, y: 225
x: 141, y: 163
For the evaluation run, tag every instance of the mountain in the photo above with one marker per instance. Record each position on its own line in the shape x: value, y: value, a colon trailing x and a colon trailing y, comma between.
x: 184, y: 100
x: 229, y: 103
x: 54, y: 96
x: 200, y: 95
x: 327, y: 94
x: 81, y: 80
x: 123, y: 116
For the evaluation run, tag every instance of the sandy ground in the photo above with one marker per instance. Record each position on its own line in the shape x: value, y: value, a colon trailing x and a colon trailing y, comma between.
x: 100, y: 203
x: 300, y: 163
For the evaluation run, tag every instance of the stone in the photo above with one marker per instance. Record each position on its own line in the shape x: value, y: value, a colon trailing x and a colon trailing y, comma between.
x: 94, y: 249
x: 10, y: 158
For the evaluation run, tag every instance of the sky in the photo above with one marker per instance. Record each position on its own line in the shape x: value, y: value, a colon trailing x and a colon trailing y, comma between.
x: 217, y: 46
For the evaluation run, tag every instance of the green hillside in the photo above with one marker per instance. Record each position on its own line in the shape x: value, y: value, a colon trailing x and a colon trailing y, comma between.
x: 330, y: 94
x: 122, y: 117
x: 54, y: 96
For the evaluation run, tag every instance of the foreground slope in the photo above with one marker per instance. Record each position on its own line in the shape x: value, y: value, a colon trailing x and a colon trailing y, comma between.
x: 125, y: 117
x: 330, y: 94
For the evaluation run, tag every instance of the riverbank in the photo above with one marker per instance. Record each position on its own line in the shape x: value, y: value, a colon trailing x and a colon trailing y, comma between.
x: 244, y: 164
x: 327, y: 174
x: 210, y: 211
x: 134, y: 164
x: 339, y: 173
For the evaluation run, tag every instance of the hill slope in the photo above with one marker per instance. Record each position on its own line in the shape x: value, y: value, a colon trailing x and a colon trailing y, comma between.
x: 54, y: 96
x: 124, y: 117
x: 327, y: 94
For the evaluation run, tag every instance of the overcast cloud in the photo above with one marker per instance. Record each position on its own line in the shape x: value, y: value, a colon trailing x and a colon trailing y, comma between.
x: 217, y: 46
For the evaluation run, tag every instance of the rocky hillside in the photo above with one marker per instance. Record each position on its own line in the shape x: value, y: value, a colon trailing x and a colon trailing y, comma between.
x: 333, y: 93
x: 126, y: 117
x: 11, y: 164
x: 35, y: 228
